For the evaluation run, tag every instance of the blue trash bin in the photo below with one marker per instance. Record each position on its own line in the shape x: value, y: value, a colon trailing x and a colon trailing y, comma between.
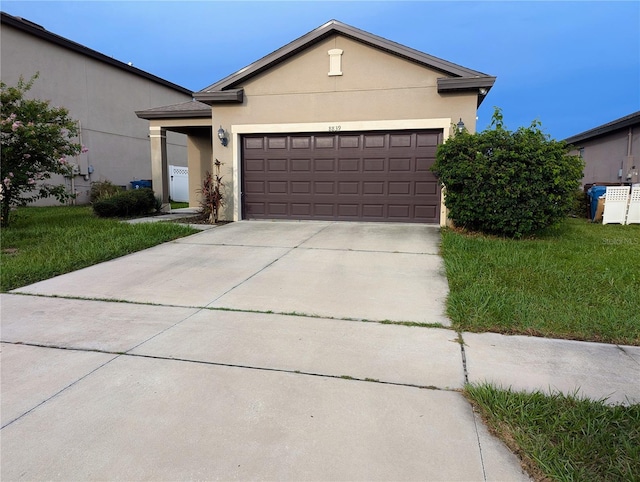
x: 594, y: 193
x: 140, y: 184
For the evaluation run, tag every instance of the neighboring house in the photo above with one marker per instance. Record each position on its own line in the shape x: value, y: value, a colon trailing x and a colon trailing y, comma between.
x: 611, y: 152
x: 339, y: 124
x: 99, y: 92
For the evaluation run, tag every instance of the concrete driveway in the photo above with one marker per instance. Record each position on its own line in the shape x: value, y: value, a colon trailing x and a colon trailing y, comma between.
x: 252, y: 351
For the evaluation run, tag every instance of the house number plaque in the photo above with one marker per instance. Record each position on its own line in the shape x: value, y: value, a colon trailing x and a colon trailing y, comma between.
x: 334, y: 128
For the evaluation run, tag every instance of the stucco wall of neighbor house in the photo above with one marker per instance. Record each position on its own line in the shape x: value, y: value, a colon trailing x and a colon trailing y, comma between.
x: 606, y: 157
x: 102, y: 98
x: 374, y: 86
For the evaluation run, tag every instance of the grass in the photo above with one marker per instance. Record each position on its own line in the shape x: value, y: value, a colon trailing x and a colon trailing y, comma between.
x: 577, y: 280
x: 561, y: 437
x: 43, y: 242
x: 179, y: 205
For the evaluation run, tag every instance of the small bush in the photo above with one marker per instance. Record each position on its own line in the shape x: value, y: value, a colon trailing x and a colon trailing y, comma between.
x: 102, y: 190
x: 507, y: 183
x: 127, y: 203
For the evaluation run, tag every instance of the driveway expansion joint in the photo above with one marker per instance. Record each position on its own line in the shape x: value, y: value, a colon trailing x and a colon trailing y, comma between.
x: 118, y: 354
x: 75, y: 382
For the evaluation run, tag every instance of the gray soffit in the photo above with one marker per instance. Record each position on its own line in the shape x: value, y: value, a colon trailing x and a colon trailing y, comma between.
x: 40, y: 32
x: 622, y: 123
x: 221, y: 97
x: 335, y: 27
x: 185, y: 110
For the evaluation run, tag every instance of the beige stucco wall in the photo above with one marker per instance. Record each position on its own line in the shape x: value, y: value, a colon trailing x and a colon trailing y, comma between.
x: 102, y: 97
x: 374, y: 86
x: 605, y: 156
x: 200, y: 161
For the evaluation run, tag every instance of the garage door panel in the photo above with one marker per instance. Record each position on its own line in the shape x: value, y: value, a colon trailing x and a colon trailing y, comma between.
x: 300, y: 187
x: 349, y: 187
x: 325, y: 142
x: 373, y: 187
x: 400, y: 140
x: 301, y: 209
x: 254, y: 187
x: 255, y: 208
x: 427, y: 139
x: 349, y: 210
x: 374, y: 140
x: 373, y: 211
x: 323, y: 210
x: 323, y: 187
x: 349, y: 142
x: 277, y: 142
x: 254, y: 143
x: 425, y: 212
x: 400, y: 165
x: 324, y: 165
x: 427, y: 187
x: 301, y: 165
x: 376, y: 165
x: 348, y: 165
x: 277, y: 165
x: 398, y: 211
x: 277, y: 209
x: 301, y: 142
x: 253, y: 165
x: 375, y: 176
x: 277, y: 187
x: 399, y: 188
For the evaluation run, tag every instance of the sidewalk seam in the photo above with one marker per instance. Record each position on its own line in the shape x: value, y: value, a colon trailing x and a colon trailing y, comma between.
x: 117, y: 355
x: 265, y: 267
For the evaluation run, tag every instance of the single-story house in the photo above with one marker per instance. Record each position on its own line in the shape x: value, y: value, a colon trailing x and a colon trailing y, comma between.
x: 611, y: 152
x: 339, y: 124
x: 99, y: 93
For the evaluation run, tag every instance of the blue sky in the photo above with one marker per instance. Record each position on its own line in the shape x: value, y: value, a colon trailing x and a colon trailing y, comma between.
x: 571, y: 65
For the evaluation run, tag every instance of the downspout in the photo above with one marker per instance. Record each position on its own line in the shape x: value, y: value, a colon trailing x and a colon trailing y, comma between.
x: 632, y: 171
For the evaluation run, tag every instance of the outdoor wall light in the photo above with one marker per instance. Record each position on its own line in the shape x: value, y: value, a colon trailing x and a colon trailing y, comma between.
x: 459, y: 125
x: 222, y: 135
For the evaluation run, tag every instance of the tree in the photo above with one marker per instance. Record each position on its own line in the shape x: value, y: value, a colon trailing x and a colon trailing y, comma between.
x: 36, y: 142
x: 507, y: 183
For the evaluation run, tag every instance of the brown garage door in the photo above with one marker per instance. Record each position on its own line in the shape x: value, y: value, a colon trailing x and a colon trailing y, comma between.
x: 359, y: 176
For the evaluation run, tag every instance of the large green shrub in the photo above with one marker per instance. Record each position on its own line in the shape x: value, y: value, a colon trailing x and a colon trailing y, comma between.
x: 507, y: 183
x: 127, y: 203
x: 103, y: 189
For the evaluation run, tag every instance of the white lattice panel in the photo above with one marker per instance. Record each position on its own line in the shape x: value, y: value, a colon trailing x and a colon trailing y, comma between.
x: 633, y: 216
x: 615, y: 205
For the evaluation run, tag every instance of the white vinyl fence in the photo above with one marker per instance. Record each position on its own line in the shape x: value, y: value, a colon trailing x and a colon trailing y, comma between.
x: 179, y: 183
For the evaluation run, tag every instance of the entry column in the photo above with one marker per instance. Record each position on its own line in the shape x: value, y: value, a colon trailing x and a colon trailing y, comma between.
x: 159, y: 165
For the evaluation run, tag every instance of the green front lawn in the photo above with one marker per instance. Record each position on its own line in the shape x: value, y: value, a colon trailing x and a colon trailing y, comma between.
x: 578, y: 281
x: 43, y: 242
x: 560, y: 437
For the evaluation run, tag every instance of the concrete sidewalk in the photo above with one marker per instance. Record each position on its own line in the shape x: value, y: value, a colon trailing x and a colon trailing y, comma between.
x: 255, y: 351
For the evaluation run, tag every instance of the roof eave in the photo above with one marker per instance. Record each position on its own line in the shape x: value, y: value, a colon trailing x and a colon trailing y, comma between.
x: 159, y: 114
x: 622, y: 123
x: 480, y: 85
x: 233, y: 96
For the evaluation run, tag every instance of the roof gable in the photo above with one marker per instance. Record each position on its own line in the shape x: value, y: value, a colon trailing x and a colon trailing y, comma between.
x: 458, y: 78
x: 39, y: 31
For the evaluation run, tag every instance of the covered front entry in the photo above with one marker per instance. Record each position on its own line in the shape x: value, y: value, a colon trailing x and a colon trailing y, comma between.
x: 350, y: 176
